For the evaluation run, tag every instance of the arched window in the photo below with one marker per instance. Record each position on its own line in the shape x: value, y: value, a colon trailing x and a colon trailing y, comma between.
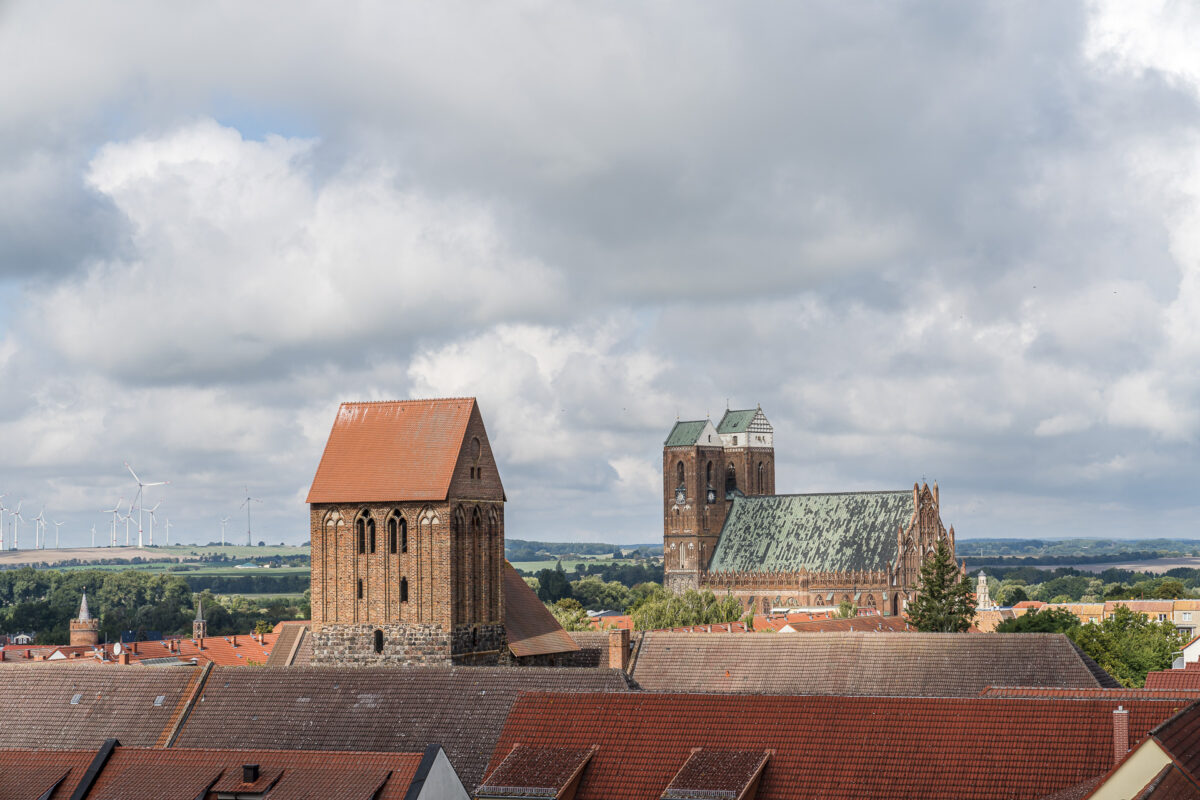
x: 762, y: 481
x: 708, y: 474
x: 360, y: 531
x: 378, y: 641
x: 679, y: 473
x: 371, y: 534
x: 360, y: 591
x: 404, y: 590
x: 730, y: 479
x: 397, y: 530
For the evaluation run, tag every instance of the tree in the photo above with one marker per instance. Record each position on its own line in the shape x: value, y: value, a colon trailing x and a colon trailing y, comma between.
x: 944, y: 601
x: 1128, y: 645
x: 846, y: 609
x: 570, y: 614
x: 553, y: 585
x: 1048, y: 620
x: 666, y: 610
x: 598, y: 595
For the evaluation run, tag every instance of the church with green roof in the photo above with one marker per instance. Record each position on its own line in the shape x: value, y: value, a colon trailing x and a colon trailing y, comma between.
x: 725, y: 528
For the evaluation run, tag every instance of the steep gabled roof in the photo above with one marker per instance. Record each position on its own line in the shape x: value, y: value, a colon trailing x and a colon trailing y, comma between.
x: 531, y: 629
x: 913, y: 664
x: 685, y: 434
x: 822, y: 532
x: 402, y: 450
x: 736, y: 421
x: 835, y: 748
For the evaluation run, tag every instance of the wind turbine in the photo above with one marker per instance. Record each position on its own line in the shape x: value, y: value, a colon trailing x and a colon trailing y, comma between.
x: 116, y: 512
x: 39, y: 531
x: 223, y: 531
x: 128, y: 517
x: 246, y: 504
x: 93, y: 534
x: 57, y: 525
x: 3, y: 508
x: 151, y: 511
x: 167, y: 534
x: 138, y: 498
x: 17, y: 519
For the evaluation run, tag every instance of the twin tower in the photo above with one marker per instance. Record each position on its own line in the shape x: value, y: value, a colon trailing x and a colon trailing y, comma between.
x: 705, y: 467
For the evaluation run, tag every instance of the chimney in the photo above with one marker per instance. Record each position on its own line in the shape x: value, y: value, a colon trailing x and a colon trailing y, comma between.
x: 123, y: 659
x: 200, y: 643
x: 618, y: 649
x: 133, y: 647
x: 1120, y: 734
x: 235, y: 644
x: 249, y: 773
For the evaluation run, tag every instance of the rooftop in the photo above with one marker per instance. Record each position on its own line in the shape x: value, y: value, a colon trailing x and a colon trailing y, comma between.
x: 916, y: 664
x: 851, y: 748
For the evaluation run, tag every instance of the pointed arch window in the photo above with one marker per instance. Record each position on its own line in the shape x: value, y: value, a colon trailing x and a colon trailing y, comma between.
x: 364, y: 527
x: 762, y: 478
x: 404, y: 590
x: 397, y: 532
x: 730, y: 479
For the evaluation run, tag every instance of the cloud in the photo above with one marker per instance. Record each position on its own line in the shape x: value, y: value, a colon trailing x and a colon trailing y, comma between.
x: 238, y: 255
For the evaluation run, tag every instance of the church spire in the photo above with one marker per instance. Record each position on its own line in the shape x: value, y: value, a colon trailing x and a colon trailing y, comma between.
x: 199, y: 609
x: 83, y: 609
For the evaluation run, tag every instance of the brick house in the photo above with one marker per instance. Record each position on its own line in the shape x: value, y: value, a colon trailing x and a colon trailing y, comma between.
x: 725, y: 528
x: 407, y: 531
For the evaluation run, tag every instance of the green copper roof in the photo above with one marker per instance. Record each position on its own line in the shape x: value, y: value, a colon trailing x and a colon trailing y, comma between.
x: 736, y: 421
x: 685, y: 434
x: 826, y: 532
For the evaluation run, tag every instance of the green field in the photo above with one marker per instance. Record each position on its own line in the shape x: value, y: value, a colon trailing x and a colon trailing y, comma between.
x: 166, y: 566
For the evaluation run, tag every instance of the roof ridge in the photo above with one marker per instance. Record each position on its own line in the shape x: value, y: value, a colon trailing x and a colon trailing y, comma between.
x: 826, y: 494
x: 394, y: 402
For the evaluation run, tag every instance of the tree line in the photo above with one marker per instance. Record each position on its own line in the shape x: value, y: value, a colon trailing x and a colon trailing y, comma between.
x: 44, y: 601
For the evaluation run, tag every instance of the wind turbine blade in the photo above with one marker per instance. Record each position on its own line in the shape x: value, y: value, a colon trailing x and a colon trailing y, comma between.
x: 134, y: 474
x: 156, y: 483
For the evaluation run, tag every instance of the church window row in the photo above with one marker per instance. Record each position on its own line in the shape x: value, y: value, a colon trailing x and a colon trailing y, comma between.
x: 397, y: 531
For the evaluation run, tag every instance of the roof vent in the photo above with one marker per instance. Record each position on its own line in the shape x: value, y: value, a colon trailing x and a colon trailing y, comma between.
x: 75, y: 699
x: 249, y: 773
x: 158, y: 701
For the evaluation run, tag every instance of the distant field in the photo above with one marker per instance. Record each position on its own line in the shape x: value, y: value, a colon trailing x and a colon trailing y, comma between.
x: 568, y: 564
x: 1155, y: 565
x: 179, y: 553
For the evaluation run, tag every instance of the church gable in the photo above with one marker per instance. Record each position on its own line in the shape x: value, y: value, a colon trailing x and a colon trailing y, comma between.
x: 692, y: 432
x: 392, y: 451
x: 476, y: 476
x: 817, y: 532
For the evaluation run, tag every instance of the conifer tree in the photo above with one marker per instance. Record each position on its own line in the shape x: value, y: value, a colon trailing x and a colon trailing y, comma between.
x: 944, y: 601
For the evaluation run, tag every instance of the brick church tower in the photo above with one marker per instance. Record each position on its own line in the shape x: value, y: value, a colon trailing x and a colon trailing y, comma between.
x: 704, y: 467
x: 407, y: 531
x: 85, y: 631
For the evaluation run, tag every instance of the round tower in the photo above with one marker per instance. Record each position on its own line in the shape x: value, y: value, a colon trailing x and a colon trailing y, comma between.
x: 85, y: 631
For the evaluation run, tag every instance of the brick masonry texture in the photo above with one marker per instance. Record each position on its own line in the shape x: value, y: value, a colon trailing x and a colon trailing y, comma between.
x: 386, y: 564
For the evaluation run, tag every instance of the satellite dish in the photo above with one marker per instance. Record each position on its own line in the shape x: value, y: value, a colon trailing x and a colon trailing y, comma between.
x: 117, y: 649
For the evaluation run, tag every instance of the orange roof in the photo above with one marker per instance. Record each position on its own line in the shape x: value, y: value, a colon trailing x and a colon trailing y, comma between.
x: 1142, y: 606
x: 617, y: 622
x: 531, y: 629
x: 401, y: 450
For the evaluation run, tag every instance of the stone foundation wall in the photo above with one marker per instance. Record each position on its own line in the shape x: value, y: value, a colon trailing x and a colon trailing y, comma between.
x: 403, y: 645
x: 478, y: 644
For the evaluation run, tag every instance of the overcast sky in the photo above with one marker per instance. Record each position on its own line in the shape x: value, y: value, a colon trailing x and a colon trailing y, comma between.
x: 952, y: 241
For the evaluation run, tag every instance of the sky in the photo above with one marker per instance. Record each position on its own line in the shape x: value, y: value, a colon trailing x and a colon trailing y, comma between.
x: 933, y: 240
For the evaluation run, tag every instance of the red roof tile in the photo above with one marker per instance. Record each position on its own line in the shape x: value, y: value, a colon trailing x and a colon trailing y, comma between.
x: 532, y: 630
x: 25, y: 774
x: 1090, y: 694
x: 404, y: 450
x: 1185, y: 679
x: 1180, y: 737
x: 536, y: 772
x: 838, y: 748
x: 182, y: 774
x: 712, y: 774
x: 873, y: 622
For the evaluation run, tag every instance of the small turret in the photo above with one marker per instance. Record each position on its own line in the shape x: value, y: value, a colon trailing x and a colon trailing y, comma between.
x: 85, y: 631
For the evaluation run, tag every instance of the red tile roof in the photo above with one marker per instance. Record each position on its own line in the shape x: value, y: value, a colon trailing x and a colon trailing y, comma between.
x: 29, y: 774
x: 1180, y: 737
x: 185, y: 774
x: 1171, y: 783
x: 403, y: 450
x: 536, y: 772
x: 712, y: 774
x: 1091, y: 694
x: 838, y: 748
x: 873, y: 622
x: 1187, y: 678
x: 532, y: 630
